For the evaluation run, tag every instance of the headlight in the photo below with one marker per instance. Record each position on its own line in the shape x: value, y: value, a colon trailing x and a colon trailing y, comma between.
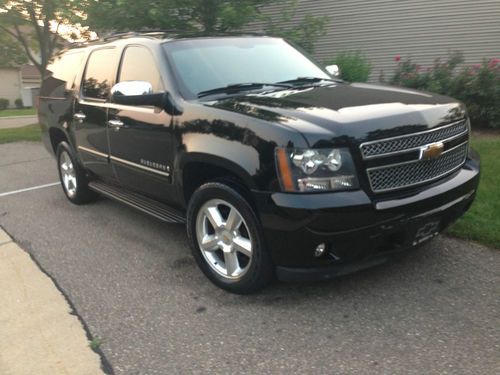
x: 316, y: 169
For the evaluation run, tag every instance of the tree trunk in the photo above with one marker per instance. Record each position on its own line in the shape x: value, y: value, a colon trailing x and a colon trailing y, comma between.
x: 209, y: 13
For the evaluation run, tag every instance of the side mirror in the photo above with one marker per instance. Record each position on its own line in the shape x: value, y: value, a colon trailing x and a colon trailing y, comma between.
x: 136, y: 93
x: 132, y: 88
x: 333, y: 70
x: 141, y: 93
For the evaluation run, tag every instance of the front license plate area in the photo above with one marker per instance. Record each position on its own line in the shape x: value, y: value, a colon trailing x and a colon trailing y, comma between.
x: 425, y: 231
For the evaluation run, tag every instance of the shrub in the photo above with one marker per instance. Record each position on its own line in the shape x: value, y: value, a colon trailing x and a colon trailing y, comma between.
x: 354, y: 66
x: 4, y: 103
x: 19, y: 103
x: 478, y: 86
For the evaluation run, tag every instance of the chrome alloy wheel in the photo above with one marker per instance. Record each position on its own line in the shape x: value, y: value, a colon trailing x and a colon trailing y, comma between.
x: 68, y: 174
x: 224, y: 239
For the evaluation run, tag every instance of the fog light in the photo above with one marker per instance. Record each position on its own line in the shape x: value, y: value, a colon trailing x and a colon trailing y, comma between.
x: 320, y: 250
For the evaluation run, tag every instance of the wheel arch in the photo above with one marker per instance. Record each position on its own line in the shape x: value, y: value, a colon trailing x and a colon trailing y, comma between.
x: 57, y: 136
x: 197, y: 169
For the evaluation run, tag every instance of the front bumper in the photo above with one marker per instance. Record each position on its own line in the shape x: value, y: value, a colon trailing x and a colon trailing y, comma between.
x: 359, y: 231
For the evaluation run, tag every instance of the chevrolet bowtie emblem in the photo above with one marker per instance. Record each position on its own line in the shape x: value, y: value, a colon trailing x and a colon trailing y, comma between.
x: 432, y: 151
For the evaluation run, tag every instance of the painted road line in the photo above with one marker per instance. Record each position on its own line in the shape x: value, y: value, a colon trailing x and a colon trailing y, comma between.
x: 40, y: 332
x: 29, y: 189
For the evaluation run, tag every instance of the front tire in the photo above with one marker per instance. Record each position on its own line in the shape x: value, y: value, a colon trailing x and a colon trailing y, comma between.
x: 72, y: 176
x: 226, y: 239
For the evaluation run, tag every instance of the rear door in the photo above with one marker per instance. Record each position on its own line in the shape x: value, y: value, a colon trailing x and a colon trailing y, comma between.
x: 91, y: 111
x: 58, y: 92
x: 140, y: 136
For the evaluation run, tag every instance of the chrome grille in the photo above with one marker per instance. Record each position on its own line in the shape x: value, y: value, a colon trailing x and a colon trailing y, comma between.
x: 398, y: 176
x: 413, y: 141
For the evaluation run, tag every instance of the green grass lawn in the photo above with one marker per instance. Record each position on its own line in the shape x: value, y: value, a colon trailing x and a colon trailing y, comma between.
x: 482, y: 222
x: 25, y: 133
x: 18, y: 112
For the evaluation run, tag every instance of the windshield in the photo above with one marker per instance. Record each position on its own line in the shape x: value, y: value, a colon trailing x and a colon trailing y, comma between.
x: 206, y: 64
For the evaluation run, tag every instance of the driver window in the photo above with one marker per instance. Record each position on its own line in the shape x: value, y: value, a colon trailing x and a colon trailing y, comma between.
x: 138, y: 64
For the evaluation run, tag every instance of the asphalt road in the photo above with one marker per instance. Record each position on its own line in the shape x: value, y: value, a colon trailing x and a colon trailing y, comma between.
x: 133, y: 282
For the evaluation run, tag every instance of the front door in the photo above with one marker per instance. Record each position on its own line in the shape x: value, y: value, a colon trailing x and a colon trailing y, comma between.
x: 140, y: 136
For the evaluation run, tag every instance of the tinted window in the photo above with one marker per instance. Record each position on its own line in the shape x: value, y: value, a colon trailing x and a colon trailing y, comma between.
x: 61, y: 73
x: 138, y: 65
x: 99, y: 75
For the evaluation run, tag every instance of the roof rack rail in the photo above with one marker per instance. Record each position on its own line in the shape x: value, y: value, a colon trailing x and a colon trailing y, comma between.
x: 178, y: 33
x: 131, y: 34
x: 161, y: 33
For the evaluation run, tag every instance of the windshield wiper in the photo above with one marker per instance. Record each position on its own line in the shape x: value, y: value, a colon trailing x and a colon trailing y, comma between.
x: 308, y: 80
x: 238, y: 87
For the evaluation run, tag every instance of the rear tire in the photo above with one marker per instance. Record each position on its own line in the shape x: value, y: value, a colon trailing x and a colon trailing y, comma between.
x: 72, y: 176
x: 226, y: 239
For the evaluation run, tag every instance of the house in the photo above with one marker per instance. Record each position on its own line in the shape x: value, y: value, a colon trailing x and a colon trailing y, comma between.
x: 19, y: 82
x: 11, y: 84
x: 420, y: 29
x: 31, y: 82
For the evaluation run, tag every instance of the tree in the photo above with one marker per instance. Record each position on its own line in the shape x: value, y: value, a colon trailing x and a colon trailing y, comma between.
x: 35, y: 26
x: 130, y: 15
x: 205, y: 16
x: 11, y: 52
x: 304, y: 34
x: 221, y: 15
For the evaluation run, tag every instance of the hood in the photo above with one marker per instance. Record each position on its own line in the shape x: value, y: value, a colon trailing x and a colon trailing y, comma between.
x: 359, y: 112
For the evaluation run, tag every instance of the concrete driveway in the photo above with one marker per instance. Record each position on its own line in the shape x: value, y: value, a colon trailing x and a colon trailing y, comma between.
x: 133, y: 282
x: 17, y: 121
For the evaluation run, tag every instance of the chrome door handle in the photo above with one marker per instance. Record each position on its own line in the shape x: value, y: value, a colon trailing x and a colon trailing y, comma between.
x: 79, y: 117
x: 115, y: 124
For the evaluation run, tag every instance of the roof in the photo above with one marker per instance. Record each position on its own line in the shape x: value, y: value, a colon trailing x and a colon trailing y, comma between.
x: 29, y: 72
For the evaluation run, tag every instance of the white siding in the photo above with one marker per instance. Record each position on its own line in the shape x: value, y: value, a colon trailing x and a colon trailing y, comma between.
x: 10, y: 84
x: 420, y: 29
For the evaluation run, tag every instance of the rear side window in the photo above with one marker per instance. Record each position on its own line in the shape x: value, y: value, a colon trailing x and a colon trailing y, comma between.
x: 138, y: 64
x: 61, y: 74
x: 99, y: 73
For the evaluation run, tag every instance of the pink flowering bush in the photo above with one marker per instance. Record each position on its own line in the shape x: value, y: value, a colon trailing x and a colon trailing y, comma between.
x: 478, y: 85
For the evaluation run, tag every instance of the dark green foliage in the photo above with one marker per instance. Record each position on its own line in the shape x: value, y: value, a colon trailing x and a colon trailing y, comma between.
x: 305, y: 34
x: 207, y: 17
x: 354, y: 66
x: 11, y: 52
x: 19, y: 103
x: 95, y: 343
x: 28, y: 25
x: 4, y: 103
x: 478, y: 86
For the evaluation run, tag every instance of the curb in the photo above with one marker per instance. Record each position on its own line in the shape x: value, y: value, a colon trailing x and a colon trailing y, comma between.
x: 41, y: 331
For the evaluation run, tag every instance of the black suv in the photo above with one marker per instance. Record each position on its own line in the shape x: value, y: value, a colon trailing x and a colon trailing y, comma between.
x: 277, y: 167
